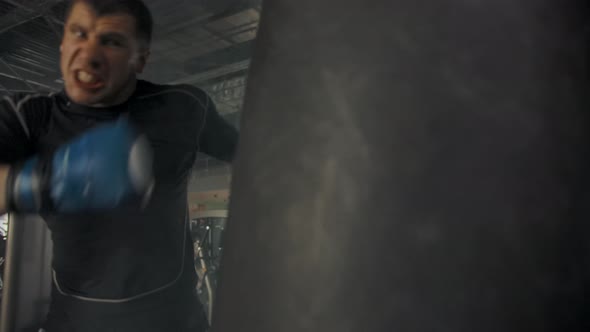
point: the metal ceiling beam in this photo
(24, 14)
(3, 88)
(29, 81)
(58, 32)
(220, 57)
(15, 73)
(28, 70)
(50, 17)
(202, 77)
(207, 18)
(234, 31)
(244, 27)
(10, 91)
(21, 59)
(29, 41)
(219, 35)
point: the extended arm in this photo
(219, 138)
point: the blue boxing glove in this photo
(100, 170)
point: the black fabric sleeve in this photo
(218, 138)
(20, 117)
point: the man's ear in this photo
(141, 61)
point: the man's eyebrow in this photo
(75, 26)
(114, 35)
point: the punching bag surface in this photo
(412, 166)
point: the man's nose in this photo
(95, 65)
(92, 54)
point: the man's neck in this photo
(122, 97)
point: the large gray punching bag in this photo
(412, 165)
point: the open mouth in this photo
(88, 80)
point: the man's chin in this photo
(107, 95)
(86, 98)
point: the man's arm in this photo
(78, 175)
(21, 117)
(219, 138)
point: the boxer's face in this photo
(100, 57)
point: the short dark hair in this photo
(135, 8)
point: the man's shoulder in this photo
(21, 101)
(29, 106)
(183, 94)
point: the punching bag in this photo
(412, 166)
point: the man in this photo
(116, 203)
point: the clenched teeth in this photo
(85, 77)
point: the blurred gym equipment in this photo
(207, 233)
